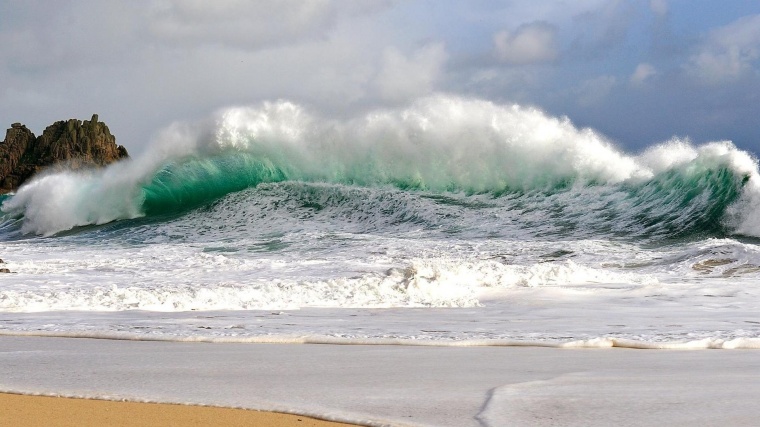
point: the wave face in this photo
(442, 146)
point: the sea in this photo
(451, 221)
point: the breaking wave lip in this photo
(439, 144)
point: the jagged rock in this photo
(74, 143)
(17, 141)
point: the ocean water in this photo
(451, 221)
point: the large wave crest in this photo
(437, 144)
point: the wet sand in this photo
(379, 385)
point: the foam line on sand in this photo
(599, 342)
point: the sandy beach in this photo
(27, 411)
(398, 385)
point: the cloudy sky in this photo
(638, 71)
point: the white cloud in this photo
(106, 58)
(78, 35)
(529, 44)
(729, 52)
(249, 24)
(643, 72)
(239, 23)
(401, 78)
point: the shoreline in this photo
(601, 342)
(378, 385)
(25, 410)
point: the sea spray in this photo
(440, 144)
(59, 201)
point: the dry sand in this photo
(27, 411)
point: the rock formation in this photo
(73, 144)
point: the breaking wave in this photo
(466, 152)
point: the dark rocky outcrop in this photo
(73, 144)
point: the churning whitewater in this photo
(448, 221)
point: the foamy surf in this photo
(451, 219)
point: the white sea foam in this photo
(580, 252)
(441, 142)
(590, 294)
(598, 342)
(179, 278)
